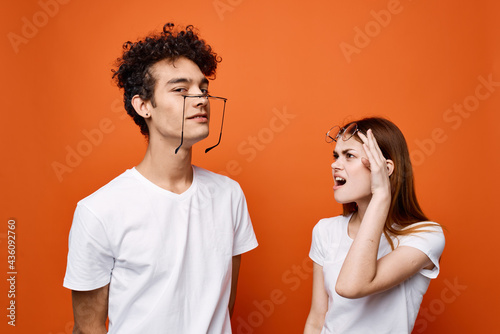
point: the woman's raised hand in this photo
(379, 166)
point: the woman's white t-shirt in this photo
(392, 311)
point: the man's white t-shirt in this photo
(167, 256)
(389, 312)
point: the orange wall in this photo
(291, 70)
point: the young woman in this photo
(373, 264)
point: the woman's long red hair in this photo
(405, 209)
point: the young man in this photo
(158, 249)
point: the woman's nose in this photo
(336, 164)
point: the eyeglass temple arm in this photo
(182, 131)
(221, 126)
(222, 123)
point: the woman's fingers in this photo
(375, 162)
(376, 146)
(371, 148)
(371, 141)
(363, 137)
(365, 162)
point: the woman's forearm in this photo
(360, 266)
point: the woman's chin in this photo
(342, 200)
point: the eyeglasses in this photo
(207, 96)
(345, 133)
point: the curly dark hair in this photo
(133, 68)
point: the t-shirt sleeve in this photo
(431, 243)
(90, 261)
(244, 235)
(317, 252)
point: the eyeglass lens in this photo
(350, 131)
(346, 133)
(332, 134)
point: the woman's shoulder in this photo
(327, 235)
(422, 227)
(331, 224)
(424, 232)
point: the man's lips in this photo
(199, 117)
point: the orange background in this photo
(279, 58)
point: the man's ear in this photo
(390, 166)
(141, 107)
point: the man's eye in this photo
(204, 91)
(180, 90)
(349, 155)
(335, 157)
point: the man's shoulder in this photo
(121, 185)
(208, 177)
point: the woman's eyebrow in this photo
(344, 152)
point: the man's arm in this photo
(90, 309)
(234, 283)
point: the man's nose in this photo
(198, 100)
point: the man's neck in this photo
(166, 169)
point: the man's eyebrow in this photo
(185, 80)
(178, 80)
